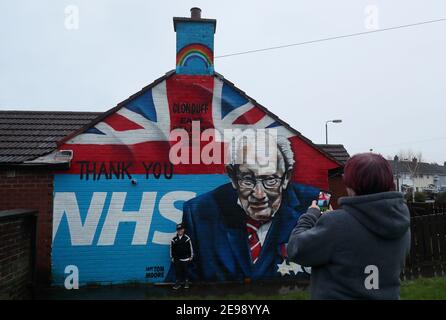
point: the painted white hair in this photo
(283, 146)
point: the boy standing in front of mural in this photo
(181, 253)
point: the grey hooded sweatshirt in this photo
(356, 252)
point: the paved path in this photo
(143, 292)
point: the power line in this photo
(331, 38)
(411, 142)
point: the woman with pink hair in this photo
(358, 251)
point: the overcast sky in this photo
(389, 88)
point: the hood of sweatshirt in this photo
(385, 214)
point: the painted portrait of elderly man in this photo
(240, 230)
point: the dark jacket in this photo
(181, 248)
(340, 246)
(217, 227)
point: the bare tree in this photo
(411, 161)
(410, 155)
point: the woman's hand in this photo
(314, 205)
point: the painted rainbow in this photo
(195, 50)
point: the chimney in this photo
(195, 44)
(195, 13)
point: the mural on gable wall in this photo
(116, 208)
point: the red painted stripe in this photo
(251, 117)
(136, 154)
(283, 251)
(193, 92)
(311, 167)
(120, 123)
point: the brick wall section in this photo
(34, 190)
(17, 248)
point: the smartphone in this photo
(323, 201)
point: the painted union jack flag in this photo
(139, 130)
(152, 115)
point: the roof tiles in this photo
(26, 135)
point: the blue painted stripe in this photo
(94, 130)
(230, 100)
(144, 106)
(274, 124)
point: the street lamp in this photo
(326, 128)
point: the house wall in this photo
(32, 190)
(419, 182)
(17, 254)
(441, 181)
(115, 210)
(423, 181)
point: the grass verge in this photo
(419, 289)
